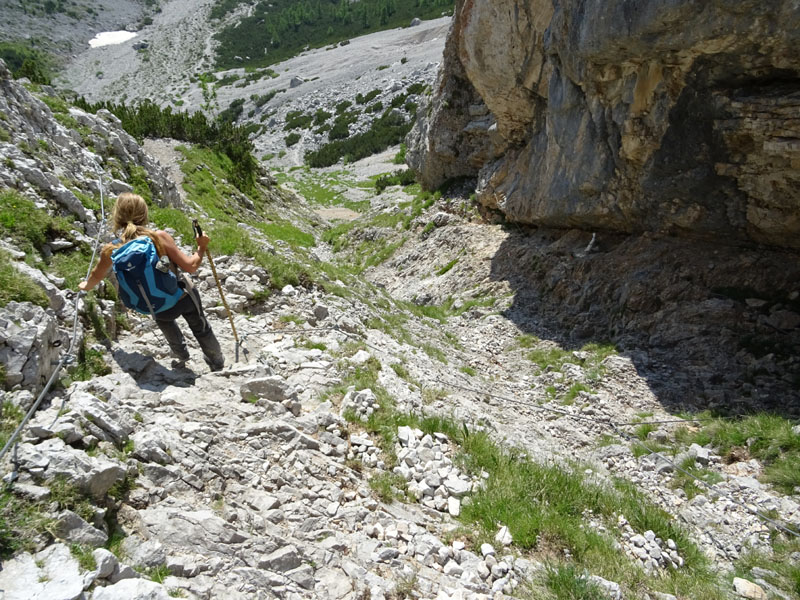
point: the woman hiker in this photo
(130, 216)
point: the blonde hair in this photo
(130, 216)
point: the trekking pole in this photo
(198, 233)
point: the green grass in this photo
(769, 438)
(388, 486)
(687, 482)
(173, 218)
(72, 265)
(67, 496)
(25, 225)
(10, 419)
(544, 506)
(574, 390)
(434, 352)
(401, 371)
(642, 431)
(14, 286)
(447, 267)
(84, 556)
(207, 184)
(90, 364)
(322, 189)
(56, 104)
(468, 370)
(555, 357)
(786, 575)
(288, 233)
(306, 343)
(566, 582)
(20, 523)
(157, 574)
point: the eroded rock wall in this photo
(672, 115)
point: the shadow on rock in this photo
(709, 326)
(150, 374)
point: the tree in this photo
(33, 70)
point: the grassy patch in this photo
(306, 343)
(545, 508)
(15, 286)
(554, 357)
(10, 418)
(388, 486)
(288, 233)
(769, 438)
(297, 320)
(782, 571)
(157, 574)
(68, 497)
(84, 556)
(566, 582)
(468, 370)
(173, 218)
(573, 391)
(526, 340)
(25, 225)
(90, 364)
(72, 266)
(20, 524)
(401, 371)
(544, 505)
(687, 482)
(434, 352)
(447, 267)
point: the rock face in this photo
(28, 348)
(32, 130)
(676, 116)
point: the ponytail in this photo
(130, 217)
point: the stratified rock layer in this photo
(673, 116)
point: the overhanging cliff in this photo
(671, 116)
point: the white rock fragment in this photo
(503, 536)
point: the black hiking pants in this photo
(190, 308)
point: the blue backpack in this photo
(146, 283)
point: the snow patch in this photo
(110, 38)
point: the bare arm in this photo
(99, 273)
(190, 264)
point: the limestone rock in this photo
(132, 589)
(70, 527)
(52, 573)
(28, 348)
(641, 127)
(748, 589)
